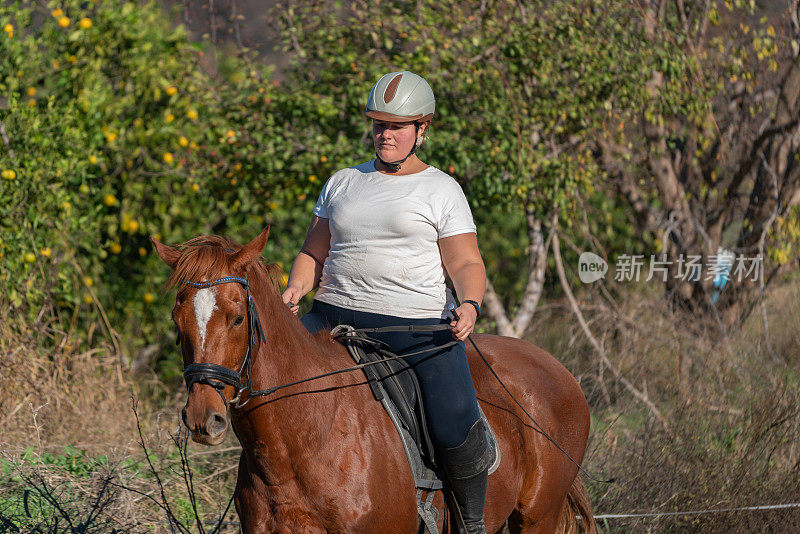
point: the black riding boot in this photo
(467, 468)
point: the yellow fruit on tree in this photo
(30, 257)
(45, 252)
(110, 200)
(84, 189)
(85, 23)
(63, 22)
(170, 117)
(31, 91)
(133, 226)
(111, 137)
(323, 159)
(168, 157)
(183, 141)
(72, 59)
(171, 90)
(8, 28)
(93, 160)
(115, 248)
(87, 298)
(57, 13)
(142, 251)
(148, 298)
(195, 187)
(87, 281)
(230, 133)
(192, 114)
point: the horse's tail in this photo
(577, 504)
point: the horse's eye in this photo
(239, 320)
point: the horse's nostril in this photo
(216, 425)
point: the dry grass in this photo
(731, 436)
(72, 458)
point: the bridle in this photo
(219, 376)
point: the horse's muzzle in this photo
(208, 428)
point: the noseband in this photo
(219, 376)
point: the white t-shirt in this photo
(384, 256)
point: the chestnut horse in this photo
(323, 455)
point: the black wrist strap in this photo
(477, 306)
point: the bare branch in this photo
(497, 311)
(642, 396)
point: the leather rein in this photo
(218, 376)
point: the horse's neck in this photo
(301, 413)
(290, 352)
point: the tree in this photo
(522, 90)
(111, 130)
(722, 175)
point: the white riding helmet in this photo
(401, 97)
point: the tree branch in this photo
(642, 396)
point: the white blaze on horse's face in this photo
(205, 302)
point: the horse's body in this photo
(323, 456)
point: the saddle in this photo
(395, 386)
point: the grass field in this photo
(704, 423)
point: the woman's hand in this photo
(467, 315)
(291, 297)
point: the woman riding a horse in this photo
(327, 458)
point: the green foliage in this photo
(116, 133)
(523, 91)
(520, 88)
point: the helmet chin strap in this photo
(395, 165)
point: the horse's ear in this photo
(169, 254)
(250, 251)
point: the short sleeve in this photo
(321, 209)
(456, 217)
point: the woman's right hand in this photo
(291, 297)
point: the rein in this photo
(219, 376)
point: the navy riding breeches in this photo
(447, 391)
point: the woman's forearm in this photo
(470, 281)
(305, 274)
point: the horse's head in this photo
(218, 325)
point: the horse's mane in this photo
(208, 256)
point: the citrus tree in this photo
(112, 131)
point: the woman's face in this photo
(393, 140)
